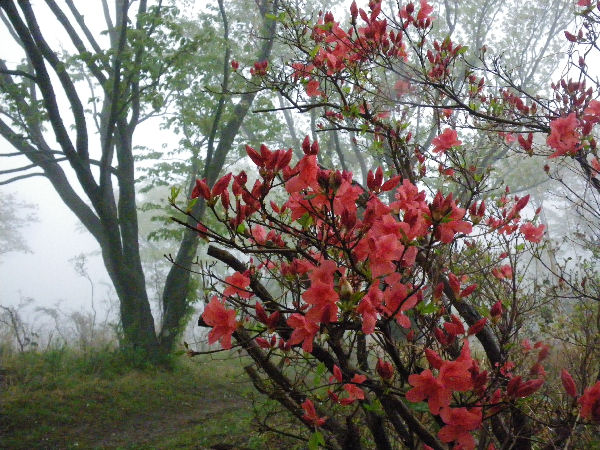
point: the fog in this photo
(46, 275)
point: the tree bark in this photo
(177, 285)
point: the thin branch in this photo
(30, 166)
(19, 73)
(22, 177)
(109, 24)
(38, 47)
(76, 40)
(81, 22)
(221, 103)
(11, 29)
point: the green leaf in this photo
(314, 51)
(419, 407)
(357, 297)
(428, 308)
(241, 229)
(174, 193)
(320, 371)
(316, 440)
(306, 221)
(375, 407)
(191, 204)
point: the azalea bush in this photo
(393, 313)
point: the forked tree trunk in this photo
(177, 285)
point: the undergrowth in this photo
(64, 399)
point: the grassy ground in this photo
(59, 400)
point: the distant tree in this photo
(83, 142)
(14, 215)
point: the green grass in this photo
(62, 400)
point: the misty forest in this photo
(341, 224)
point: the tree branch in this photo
(43, 51)
(77, 42)
(19, 73)
(81, 22)
(22, 177)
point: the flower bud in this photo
(384, 369)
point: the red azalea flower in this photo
(592, 112)
(305, 174)
(312, 88)
(532, 233)
(238, 283)
(477, 326)
(310, 414)
(384, 369)
(259, 234)
(445, 231)
(448, 217)
(222, 320)
(337, 374)
(564, 138)
(496, 310)
(445, 141)
(433, 358)
(354, 392)
(426, 386)
(568, 383)
(528, 388)
(590, 403)
(304, 331)
(455, 375)
(526, 143)
(459, 421)
(425, 10)
(368, 309)
(321, 294)
(201, 189)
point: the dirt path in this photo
(144, 429)
(147, 428)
